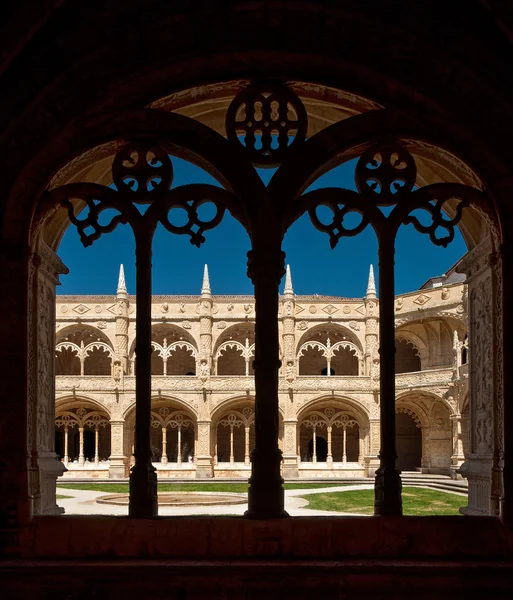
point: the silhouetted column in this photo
(266, 497)
(388, 482)
(143, 478)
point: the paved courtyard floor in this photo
(83, 502)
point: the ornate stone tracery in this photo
(385, 176)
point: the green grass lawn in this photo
(120, 488)
(416, 502)
(61, 497)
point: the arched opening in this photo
(329, 350)
(234, 350)
(408, 441)
(173, 351)
(234, 439)
(407, 359)
(321, 448)
(329, 369)
(82, 350)
(83, 438)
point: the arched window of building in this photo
(407, 359)
(83, 350)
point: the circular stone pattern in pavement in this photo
(180, 499)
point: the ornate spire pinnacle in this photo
(288, 282)
(205, 287)
(371, 285)
(122, 291)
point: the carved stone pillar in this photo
(44, 468)
(205, 311)
(290, 456)
(371, 365)
(122, 322)
(373, 456)
(482, 466)
(458, 456)
(289, 324)
(118, 460)
(203, 456)
(266, 496)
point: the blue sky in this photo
(178, 266)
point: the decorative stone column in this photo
(203, 456)
(118, 460)
(122, 321)
(373, 456)
(483, 465)
(371, 368)
(290, 456)
(205, 311)
(458, 457)
(44, 468)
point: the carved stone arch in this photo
(347, 346)
(312, 345)
(343, 403)
(415, 340)
(158, 401)
(339, 331)
(83, 330)
(96, 346)
(237, 331)
(68, 402)
(171, 332)
(410, 411)
(232, 403)
(230, 344)
(180, 136)
(406, 402)
(348, 139)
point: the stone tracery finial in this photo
(371, 285)
(121, 282)
(205, 287)
(288, 282)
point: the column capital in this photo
(266, 266)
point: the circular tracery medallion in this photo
(266, 120)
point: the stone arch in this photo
(355, 406)
(407, 357)
(67, 402)
(83, 349)
(175, 406)
(339, 331)
(329, 350)
(416, 341)
(339, 425)
(82, 433)
(234, 350)
(232, 426)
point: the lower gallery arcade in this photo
(202, 417)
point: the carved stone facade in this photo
(203, 348)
